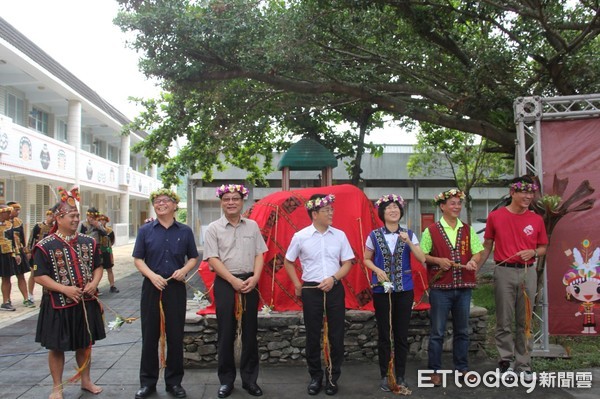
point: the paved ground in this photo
(24, 371)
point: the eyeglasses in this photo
(231, 199)
(162, 201)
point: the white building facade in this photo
(56, 131)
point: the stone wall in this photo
(281, 337)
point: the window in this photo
(15, 108)
(38, 120)
(61, 131)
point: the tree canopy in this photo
(234, 71)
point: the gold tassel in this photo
(163, 335)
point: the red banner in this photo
(570, 151)
(281, 214)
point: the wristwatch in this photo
(335, 280)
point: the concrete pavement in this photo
(24, 371)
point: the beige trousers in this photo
(511, 343)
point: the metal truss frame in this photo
(529, 112)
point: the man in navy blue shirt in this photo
(165, 251)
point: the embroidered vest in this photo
(6, 237)
(456, 277)
(396, 264)
(70, 264)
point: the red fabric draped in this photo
(281, 214)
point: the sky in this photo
(81, 36)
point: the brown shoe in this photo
(436, 379)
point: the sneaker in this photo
(527, 376)
(7, 306)
(504, 366)
(401, 382)
(114, 289)
(28, 303)
(31, 297)
(99, 293)
(384, 385)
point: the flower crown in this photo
(523, 186)
(7, 209)
(232, 188)
(164, 191)
(68, 201)
(443, 196)
(320, 202)
(388, 198)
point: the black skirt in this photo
(67, 329)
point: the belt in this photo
(514, 265)
(310, 284)
(244, 276)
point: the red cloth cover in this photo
(281, 214)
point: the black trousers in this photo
(174, 300)
(401, 311)
(226, 329)
(312, 299)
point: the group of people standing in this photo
(165, 252)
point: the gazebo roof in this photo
(307, 154)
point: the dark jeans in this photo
(313, 309)
(401, 309)
(174, 300)
(457, 301)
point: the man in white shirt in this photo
(326, 257)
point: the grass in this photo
(583, 349)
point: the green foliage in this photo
(237, 71)
(181, 215)
(461, 156)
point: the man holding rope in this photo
(452, 251)
(519, 236)
(68, 266)
(165, 252)
(326, 257)
(234, 247)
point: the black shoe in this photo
(253, 389)
(225, 390)
(114, 289)
(331, 389)
(176, 390)
(400, 381)
(144, 392)
(315, 386)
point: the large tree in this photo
(462, 157)
(234, 68)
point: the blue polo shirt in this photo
(165, 250)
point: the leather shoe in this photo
(177, 391)
(436, 379)
(315, 386)
(331, 389)
(253, 389)
(225, 390)
(144, 392)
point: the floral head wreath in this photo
(232, 188)
(68, 201)
(443, 196)
(14, 205)
(5, 208)
(388, 198)
(523, 186)
(318, 203)
(49, 212)
(102, 217)
(93, 212)
(164, 191)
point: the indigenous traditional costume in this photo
(106, 242)
(63, 324)
(19, 242)
(7, 260)
(39, 231)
